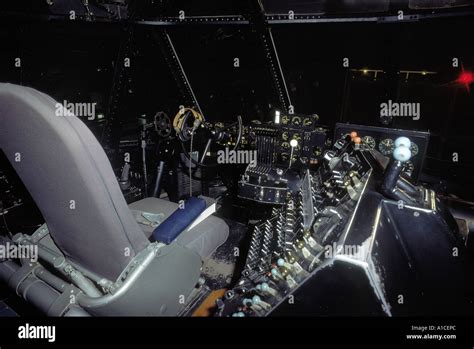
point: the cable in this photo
(196, 124)
(190, 165)
(6, 225)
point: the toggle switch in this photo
(267, 289)
(276, 274)
(256, 300)
(247, 302)
(357, 142)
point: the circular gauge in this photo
(285, 136)
(317, 151)
(285, 119)
(297, 136)
(285, 145)
(414, 149)
(386, 146)
(408, 167)
(307, 121)
(296, 120)
(285, 156)
(368, 141)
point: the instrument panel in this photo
(298, 138)
(382, 139)
(310, 140)
(295, 143)
(300, 120)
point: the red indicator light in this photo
(465, 78)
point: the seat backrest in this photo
(70, 178)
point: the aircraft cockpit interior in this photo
(236, 158)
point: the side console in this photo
(355, 238)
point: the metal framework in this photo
(260, 25)
(260, 22)
(163, 39)
(112, 130)
(285, 18)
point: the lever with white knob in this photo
(293, 144)
(401, 154)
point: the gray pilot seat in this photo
(88, 222)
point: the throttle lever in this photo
(401, 154)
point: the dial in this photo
(386, 146)
(296, 120)
(285, 145)
(414, 149)
(285, 136)
(297, 136)
(408, 167)
(285, 119)
(368, 141)
(307, 121)
(317, 151)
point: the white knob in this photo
(402, 154)
(256, 299)
(402, 141)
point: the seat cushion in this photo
(204, 238)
